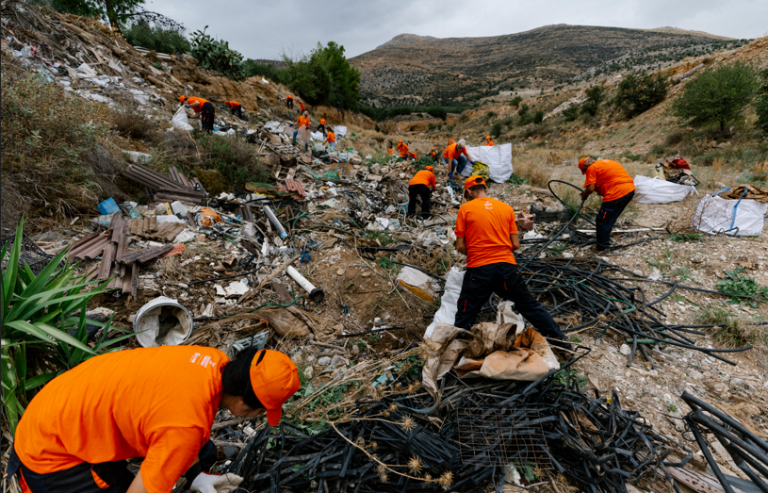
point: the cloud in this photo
(294, 27)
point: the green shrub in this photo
(538, 117)
(497, 129)
(43, 325)
(438, 112)
(595, 96)
(638, 93)
(717, 95)
(761, 107)
(525, 115)
(658, 150)
(571, 113)
(516, 101)
(216, 55)
(252, 68)
(157, 38)
(735, 282)
(235, 159)
(674, 138)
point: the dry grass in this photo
(130, 123)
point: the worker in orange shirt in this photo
(234, 108)
(321, 126)
(488, 141)
(402, 148)
(445, 151)
(158, 403)
(289, 101)
(302, 123)
(330, 138)
(456, 154)
(421, 185)
(433, 154)
(486, 232)
(302, 109)
(203, 109)
(390, 151)
(412, 155)
(611, 181)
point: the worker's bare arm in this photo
(461, 245)
(587, 192)
(137, 486)
(515, 242)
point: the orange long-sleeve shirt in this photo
(199, 107)
(452, 152)
(423, 177)
(610, 178)
(403, 149)
(303, 121)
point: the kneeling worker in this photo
(203, 109)
(486, 232)
(456, 154)
(234, 108)
(613, 183)
(157, 403)
(421, 185)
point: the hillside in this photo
(411, 69)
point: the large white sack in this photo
(498, 158)
(340, 130)
(317, 136)
(658, 191)
(448, 302)
(716, 215)
(180, 119)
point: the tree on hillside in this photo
(595, 96)
(761, 108)
(157, 38)
(116, 12)
(638, 93)
(325, 76)
(215, 54)
(717, 95)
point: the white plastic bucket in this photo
(162, 322)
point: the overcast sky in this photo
(261, 29)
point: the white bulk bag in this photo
(718, 215)
(448, 302)
(658, 191)
(498, 158)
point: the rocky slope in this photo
(422, 69)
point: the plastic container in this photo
(162, 322)
(108, 207)
(403, 208)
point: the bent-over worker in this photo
(611, 181)
(321, 126)
(157, 403)
(289, 101)
(486, 232)
(234, 108)
(302, 109)
(330, 138)
(203, 109)
(421, 185)
(456, 154)
(488, 141)
(433, 154)
(412, 155)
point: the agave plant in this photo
(43, 325)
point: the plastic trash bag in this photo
(180, 119)
(447, 312)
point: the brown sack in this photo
(515, 364)
(488, 337)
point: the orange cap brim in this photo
(274, 416)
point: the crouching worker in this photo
(234, 108)
(456, 154)
(611, 181)
(203, 109)
(157, 403)
(486, 232)
(421, 185)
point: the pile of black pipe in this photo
(748, 451)
(591, 440)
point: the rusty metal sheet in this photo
(92, 249)
(106, 261)
(81, 241)
(145, 255)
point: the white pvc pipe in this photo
(315, 294)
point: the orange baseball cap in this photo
(473, 180)
(451, 141)
(275, 379)
(487, 137)
(581, 163)
(429, 168)
(182, 98)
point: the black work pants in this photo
(505, 280)
(206, 117)
(321, 128)
(606, 218)
(237, 111)
(82, 477)
(289, 103)
(422, 191)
